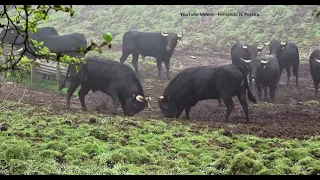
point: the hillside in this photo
(202, 34)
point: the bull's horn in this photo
(180, 36)
(139, 98)
(244, 46)
(283, 43)
(18, 51)
(247, 61)
(264, 62)
(164, 34)
(317, 60)
(267, 43)
(161, 97)
(261, 46)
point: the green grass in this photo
(201, 34)
(35, 140)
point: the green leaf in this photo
(71, 12)
(107, 37)
(20, 9)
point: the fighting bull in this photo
(266, 72)
(158, 45)
(205, 82)
(242, 54)
(113, 78)
(314, 62)
(287, 54)
(68, 44)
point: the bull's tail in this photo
(63, 84)
(245, 80)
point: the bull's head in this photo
(135, 104)
(251, 51)
(276, 47)
(172, 40)
(167, 106)
(10, 35)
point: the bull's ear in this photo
(133, 95)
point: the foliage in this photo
(28, 17)
(37, 140)
(202, 34)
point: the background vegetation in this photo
(202, 34)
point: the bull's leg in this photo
(295, 70)
(143, 58)
(259, 89)
(82, 94)
(124, 57)
(316, 87)
(244, 104)
(167, 64)
(188, 108)
(116, 102)
(179, 111)
(73, 86)
(265, 93)
(288, 76)
(250, 79)
(219, 102)
(272, 92)
(230, 106)
(159, 66)
(135, 58)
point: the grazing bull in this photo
(68, 44)
(113, 78)
(205, 82)
(158, 45)
(266, 73)
(287, 54)
(242, 54)
(314, 62)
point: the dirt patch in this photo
(291, 116)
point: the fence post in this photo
(58, 75)
(32, 73)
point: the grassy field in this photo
(202, 34)
(36, 140)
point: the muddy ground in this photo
(291, 116)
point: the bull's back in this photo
(64, 43)
(228, 78)
(197, 82)
(145, 43)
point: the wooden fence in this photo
(52, 71)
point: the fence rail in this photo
(51, 69)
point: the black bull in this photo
(113, 78)
(242, 54)
(266, 72)
(287, 54)
(314, 62)
(158, 45)
(205, 82)
(68, 44)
